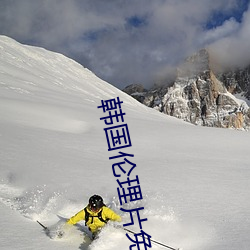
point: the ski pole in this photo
(45, 228)
(159, 243)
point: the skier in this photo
(95, 214)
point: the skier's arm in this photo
(110, 214)
(77, 217)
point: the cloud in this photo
(123, 42)
(228, 28)
(233, 49)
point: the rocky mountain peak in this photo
(200, 96)
(196, 64)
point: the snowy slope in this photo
(195, 181)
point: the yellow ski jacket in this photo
(94, 223)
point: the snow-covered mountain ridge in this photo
(53, 150)
(201, 95)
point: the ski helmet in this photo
(95, 202)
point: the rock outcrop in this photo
(199, 96)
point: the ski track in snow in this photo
(32, 204)
(37, 205)
(40, 204)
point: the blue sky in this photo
(131, 41)
(218, 17)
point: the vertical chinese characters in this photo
(129, 189)
(117, 136)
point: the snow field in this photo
(194, 180)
